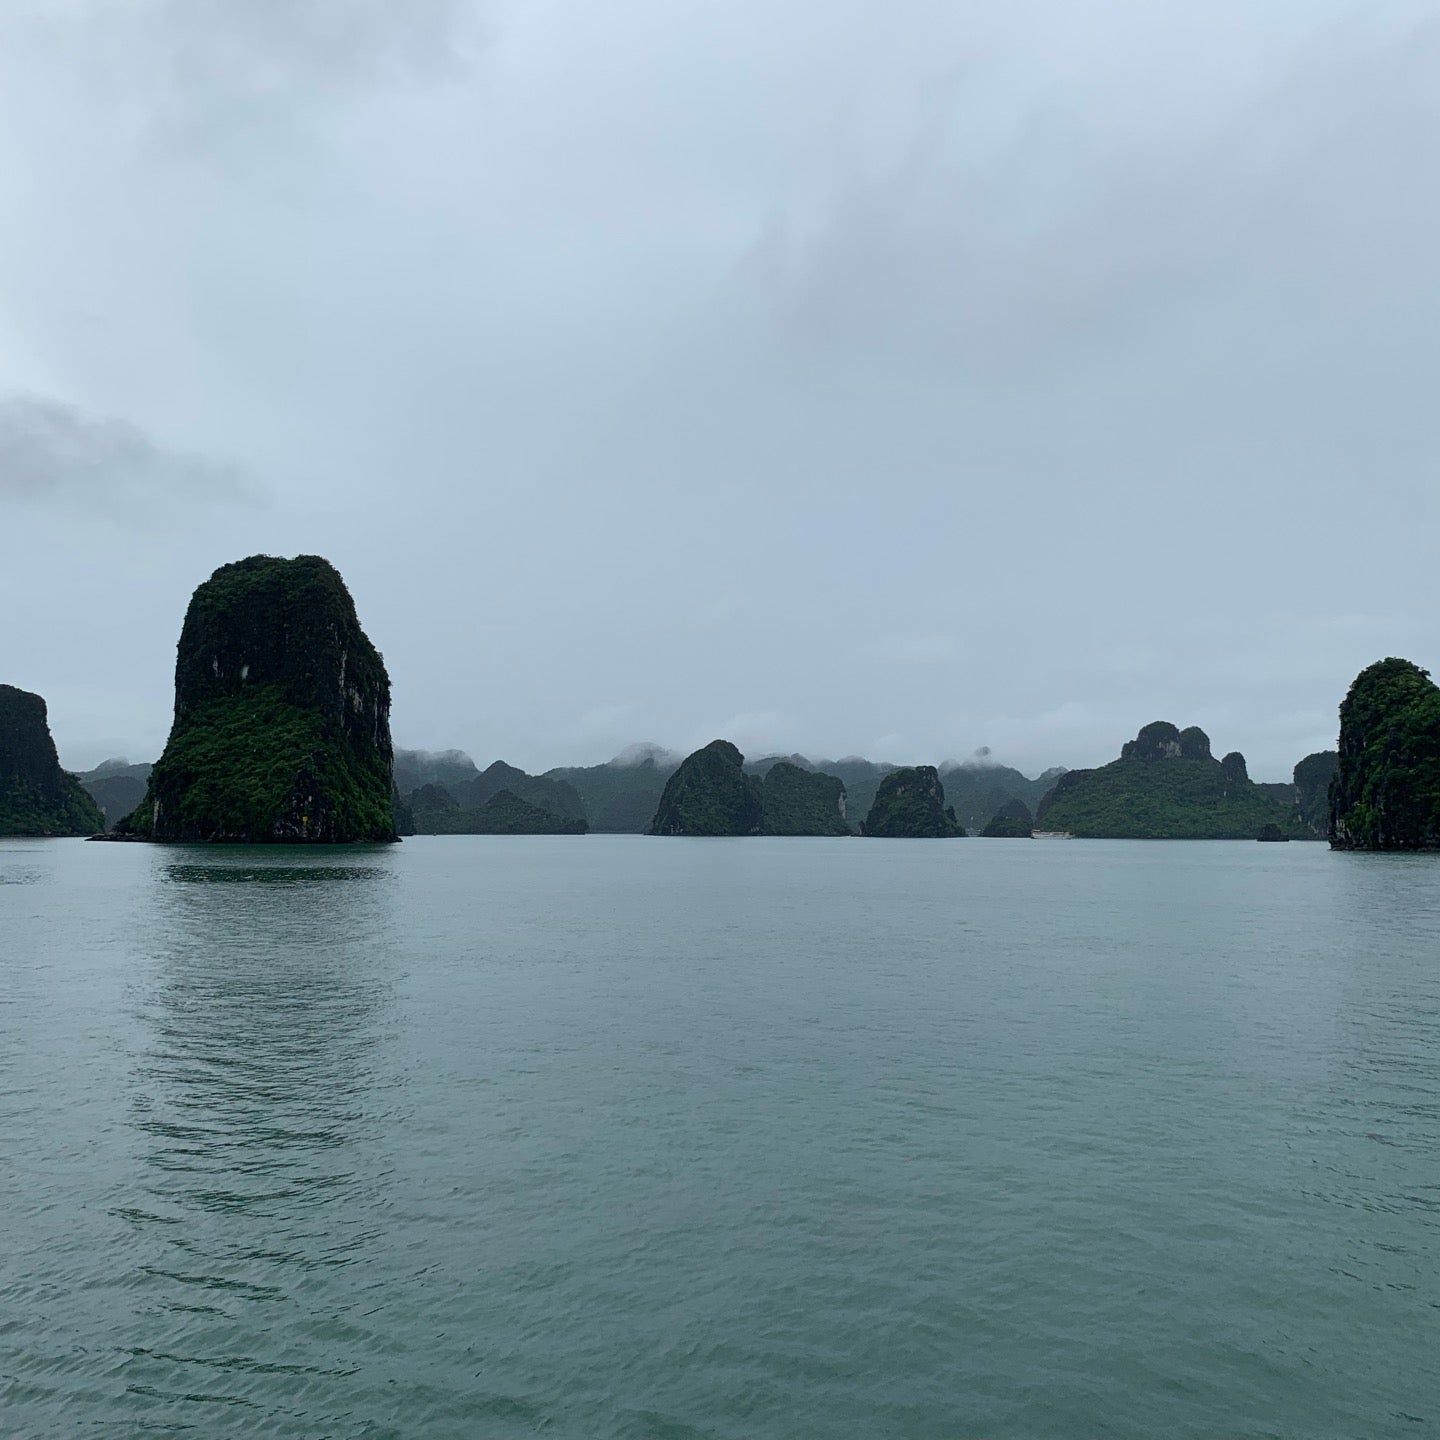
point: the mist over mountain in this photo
(116, 786)
(979, 788)
(414, 768)
(643, 751)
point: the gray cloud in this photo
(1310, 203)
(55, 454)
(209, 77)
(861, 378)
(276, 44)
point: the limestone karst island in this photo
(281, 735)
(37, 797)
(282, 716)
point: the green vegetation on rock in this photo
(429, 810)
(710, 794)
(1165, 786)
(559, 797)
(1386, 790)
(979, 791)
(621, 796)
(1012, 821)
(910, 804)
(37, 797)
(1313, 775)
(1271, 832)
(861, 779)
(802, 802)
(452, 775)
(1306, 798)
(434, 810)
(282, 715)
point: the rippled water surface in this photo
(607, 1136)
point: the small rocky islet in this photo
(1012, 821)
(910, 805)
(281, 734)
(710, 794)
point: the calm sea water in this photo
(609, 1136)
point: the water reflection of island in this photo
(259, 1100)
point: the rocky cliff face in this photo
(1159, 740)
(710, 794)
(910, 804)
(797, 801)
(282, 715)
(37, 797)
(861, 779)
(1012, 821)
(1234, 774)
(1386, 791)
(1312, 777)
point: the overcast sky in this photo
(845, 377)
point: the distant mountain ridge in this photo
(117, 787)
(414, 768)
(980, 790)
(558, 797)
(433, 810)
(621, 795)
(818, 796)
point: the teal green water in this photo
(606, 1136)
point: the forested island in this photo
(282, 716)
(281, 734)
(37, 797)
(1167, 785)
(1386, 792)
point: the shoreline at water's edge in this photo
(110, 835)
